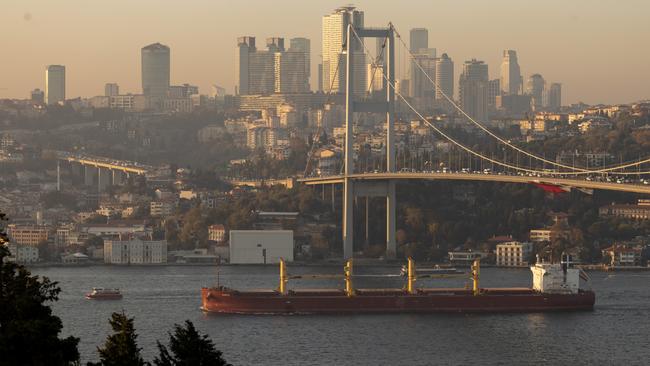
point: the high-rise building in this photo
(421, 86)
(54, 84)
(37, 96)
(444, 77)
(303, 45)
(494, 90)
(418, 39)
(375, 77)
(111, 89)
(320, 78)
(155, 70)
(554, 98)
(275, 44)
(473, 87)
(273, 70)
(535, 87)
(290, 70)
(334, 34)
(511, 81)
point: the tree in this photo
(121, 348)
(29, 333)
(188, 347)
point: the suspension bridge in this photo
(553, 176)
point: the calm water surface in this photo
(617, 332)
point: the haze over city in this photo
(595, 49)
(284, 182)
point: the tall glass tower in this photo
(155, 70)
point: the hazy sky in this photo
(598, 49)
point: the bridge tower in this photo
(369, 188)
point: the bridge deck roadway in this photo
(574, 183)
(105, 165)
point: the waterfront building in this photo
(54, 84)
(513, 254)
(511, 81)
(30, 235)
(334, 35)
(260, 246)
(217, 233)
(111, 89)
(155, 70)
(135, 251)
(22, 254)
(474, 89)
(621, 255)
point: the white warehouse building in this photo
(260, 246)
(135, 251)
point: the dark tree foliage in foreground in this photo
(188, 347)
(29, 333)
(121, 348)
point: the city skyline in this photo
(556, 49)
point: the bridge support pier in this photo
(348, 220)
(102, 180)
(391, 217)
(89, 175)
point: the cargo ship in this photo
(556, 287)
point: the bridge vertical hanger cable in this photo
(505, 142)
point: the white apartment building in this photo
(513, 254)
(22, 253)
(135, 251)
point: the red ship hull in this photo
(223, 300)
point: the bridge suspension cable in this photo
(477, 154)
(505, 142)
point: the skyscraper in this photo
(37, 96)
(444, 77)
(554, 98)
(155, 70)
(418, 39)
(335, 27)
(301, 44)
(494, 90)
(111, 89)
(54, 84)
(421, 86)
(474, 89)
(535, 87)
(273, 70)
(511, 81)
(290, 70)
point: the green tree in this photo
(29, 333)
(121, 348)
(188, 347)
